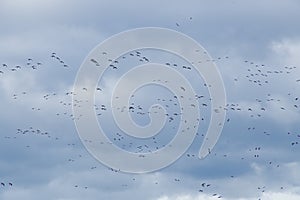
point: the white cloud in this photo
(287, 50)
(280, 196)
(265, 196)
(36, 27)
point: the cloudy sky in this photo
(256, 46)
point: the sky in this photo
(254, 44)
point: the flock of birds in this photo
(256, 74)
(9, 184)
(30, 64)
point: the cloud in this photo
(267, 196)
(262, 32)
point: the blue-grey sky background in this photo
(252, 42)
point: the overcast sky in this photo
(256, 46)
